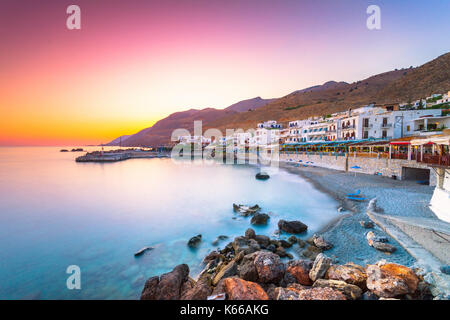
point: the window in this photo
(408, 128)
(384, 134)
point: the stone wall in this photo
(382, 166)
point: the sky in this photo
(134, 62)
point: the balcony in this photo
(367, 126)
(349, 127)
(386, 125)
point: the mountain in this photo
(161, 131)
(389, 87)
(249, 104)
(118, 140)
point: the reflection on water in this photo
(55, 212)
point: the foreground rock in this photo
(269, 267)
(292, 226)
(320, 267)
(259, 218)
(238, 289)
(298, 271)
(350, 273)
(321, 294)
(349, 290)
(195, 241)
(166, 287)
(142, 251)
(391, 280)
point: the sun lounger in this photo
(356, 198)
(354, 194)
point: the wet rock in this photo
(238, 289)
(166, 287)
(271, 248)
(142, 251)
(244, 210)
(445, 269)
(320, 267)
(280, 293)
(262, 240)
(199, 291)
(320, 243)
(212, 256)
(390, 280)
(262, 176)
(269, 267)
(292, 226)
(299, 270)
(311, 252)
(301, 243)
(281, 252)
(350, 273)
(292, 240)
(367, 224)
(321, 294)
(285, 244)
(369, 296)
(259, 218)
(243, 244)
(219, 238)
(250, 233)
(349, 290)
(226, 271)
(247, 269)
(195, 241)
(379, 243)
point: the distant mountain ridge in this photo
(393, 86)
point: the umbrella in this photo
(355, 167)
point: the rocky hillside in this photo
(389, 87)
(161, 131)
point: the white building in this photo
(271, 124)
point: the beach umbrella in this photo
(355, 167)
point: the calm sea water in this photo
(55, 212)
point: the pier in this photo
(119, 155)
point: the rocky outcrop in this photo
(250, 233)
(350, 273)
(262, 176)
(366, 224)
(195, 241)
(142, 251)
(269, 267)
(259, 218)
(320, 294)
(292, 226)
(391, 280)
(166, 287)
(349, 290)
(247, 269)
(379, 243)
(298, 271)
(246, 211)
(320, 267)
(200, 290)
(320, 243)
(238, 289)
(247, 246)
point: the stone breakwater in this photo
(250, 268)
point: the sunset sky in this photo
(134, 62)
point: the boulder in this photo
(321, 294)
(281, 252)
(269, 267)
(311, 252)
(200, 290)
(250, 233)
(247, 269)
(262, 240)
(349, 290)
(320, 243)
(195, 241)
(262, 176)
(238, 289)
(292, 240)
(292, 226)
(259, 218)
(350, 273)
(285, 244)
(320, 267)
(379, 243)
(271, 248)
(391, 280)
(226, 271)
(243, 244)
(301, 243)
(299, 271)
(166, 287)
(246, 210)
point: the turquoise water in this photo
(55, 212)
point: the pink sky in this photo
(135, 62)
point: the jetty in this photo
(119, 155)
